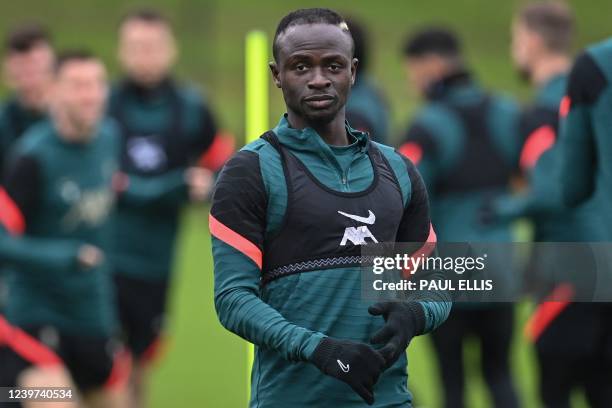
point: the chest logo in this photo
(358, 235)
(146, 153)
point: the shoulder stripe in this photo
(10, 214)
(538, 142)
(235, 240)
(28, 347)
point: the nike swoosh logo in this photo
(345, 368)
(369, 220)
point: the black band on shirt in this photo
(586, 81)
(240, 199)
(22, 183)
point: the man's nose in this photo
(319, 80)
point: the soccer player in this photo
(166, 127)
(54, 220)
(541, 42)
(584, 129)
(465, 144)
(584, 149)
(366, 108)
(28, 66)
(290, 214)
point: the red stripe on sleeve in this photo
(219, 152)
(565, 106)
(413, 151)
(29, 348)
(425, 250)
(10, 214)
(548, 311)
(235, 240)
(539, 141)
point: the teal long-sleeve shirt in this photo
(585, 128)
(438, 140)
(288, 317)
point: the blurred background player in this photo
(367, 108)
(586, 174)
(542, 36)
(465, 144)
(28, 71)
(55, 209)
(166, 128)
(28, 66)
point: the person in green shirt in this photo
(55, 208)
(28, 62)
(367, 108)
(291, 213)
(166, 128)
(542, 34)
(28, 65)
(464, 141)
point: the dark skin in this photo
(315, 69)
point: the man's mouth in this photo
(319, 101)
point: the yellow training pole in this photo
(256, 122)
(256, 79)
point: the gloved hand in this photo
(356, 364)
(404, 320)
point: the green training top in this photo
(289, 316)
(58, 195)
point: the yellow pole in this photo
(256, 122)
(256, 84)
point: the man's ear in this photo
(275, 75)
(354, 64)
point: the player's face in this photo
(80, 93)
(30, 73)
(315, 70)
(146, 51)
(422, 71)
(522, 47)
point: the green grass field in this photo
(204, 365)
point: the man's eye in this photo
(301, 67)
(335, 67)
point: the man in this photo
(585, 124)
(584, 152)
(54, 212)
(28, 68)
(464, 142)
(366, 109)
(541, 44)
(290, 214)
(166, 128)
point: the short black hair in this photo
(72, 55)
(360, 41)
(25, 37)
(147, 15)
(433, 40)
(304, 17)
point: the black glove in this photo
(404, 320)
(357, 364)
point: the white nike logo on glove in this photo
(369, 220)
(343, 367)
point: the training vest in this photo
(482, 165)
(325, 229)
(151, 153)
